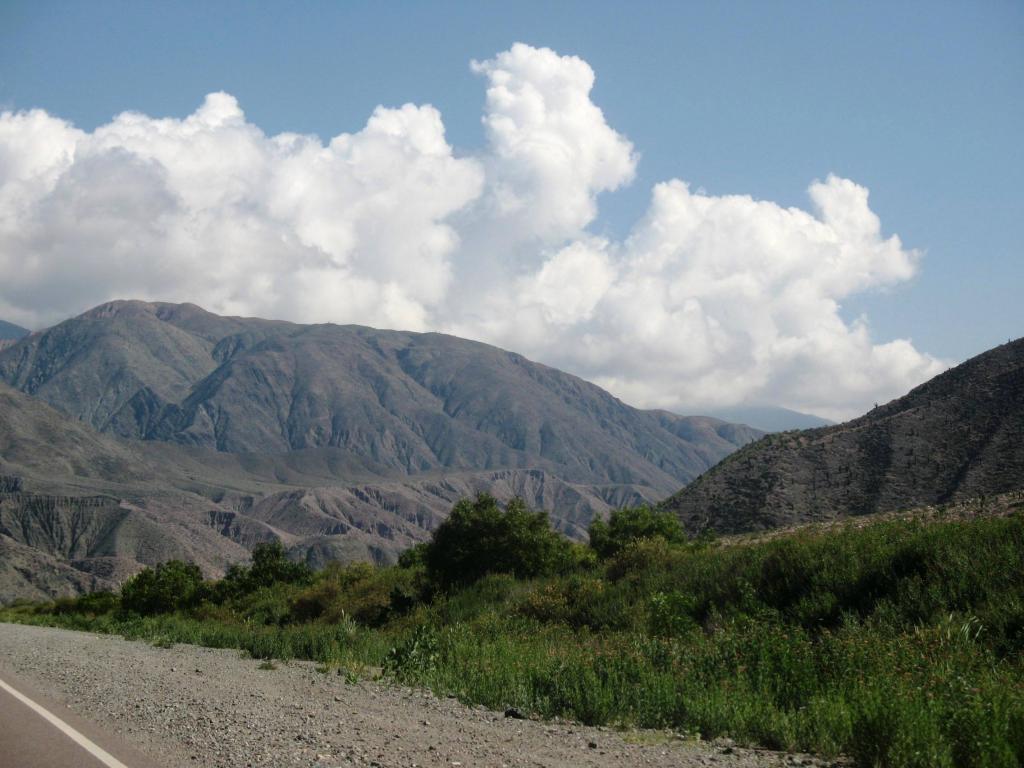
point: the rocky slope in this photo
(81, 511)
(390, 403)
(957, 436)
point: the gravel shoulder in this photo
(189, 706)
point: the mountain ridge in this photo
(957, 436)
(396, 401)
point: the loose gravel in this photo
(190, 706)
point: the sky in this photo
(695, 205)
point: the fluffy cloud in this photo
(711, 301)
(209, 209)
(551, 151)
(743, 296)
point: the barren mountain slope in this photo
(393, 403)
(80, 510)
(959, 435)
(36, 440)
(78, 497)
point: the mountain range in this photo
(140, 431)
(189, 432)
(385, 403)
(958, 436)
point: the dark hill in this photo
(957, 436)
(390, 403)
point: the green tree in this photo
(169, 587)
(632, 524)
(414, 556)
(270, 566)
(480, 538)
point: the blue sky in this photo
(921, 103)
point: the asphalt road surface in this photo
(37, 732)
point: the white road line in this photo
(99, 753)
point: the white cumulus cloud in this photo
(711, 300)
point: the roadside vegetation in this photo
(898, 643)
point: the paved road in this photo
(37, 732)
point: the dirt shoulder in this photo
(199, 706)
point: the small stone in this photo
(591, 745)
(514, 713)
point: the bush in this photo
(270, 566)
(361, 591)
(266, 606)
(92, 604)
(171, 586)
(632, 524)
(414, 557)
(479, 538)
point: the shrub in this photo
(479, 538)
(414, 557)
(581, 601)
(632, 524)
(266, 606)
(671, 614)
(896, 644)
(270, 566)
(367, 594)
(92, 604)
(169, 587)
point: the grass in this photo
(897, 643)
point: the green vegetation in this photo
(478, 538)
(627, 525)
(900, 643)
(171, 586)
